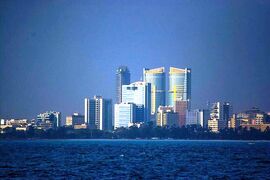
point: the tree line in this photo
(146, 131)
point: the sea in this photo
(134, 159)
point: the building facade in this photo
(158, 85)
(48, 120)
(124, 115)
(99, 111)
(75, 119)
(122, 78)
(138, 93)
(179, 86)
(181, 108)
(166, 117)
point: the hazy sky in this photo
(55, 53)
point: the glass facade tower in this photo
(179, 86)
(157, 79)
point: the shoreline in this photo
(167, 140)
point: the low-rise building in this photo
(48, 120)
(167, 117)
(75, 119)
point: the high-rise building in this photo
(166, 116)
(99, 112)
(86, 110)
(179, 86)
(158, 85)
(227, 113)
(75, 119)
(124, 114)
(122, 78)
(49, 119)
(138, 93)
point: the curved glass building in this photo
(179, 86)
(157, 79)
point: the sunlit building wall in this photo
(213, 125)
(75, 119)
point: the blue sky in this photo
(55, 53)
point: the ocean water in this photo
(134, 159)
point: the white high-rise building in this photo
(124, 115)
(138, 93)
(86, 110)
(98, 113)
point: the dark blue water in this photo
(124, 159)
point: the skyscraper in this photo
(157, 79)
(138, 93)
(122, 78)
(99, 112)
(227, 113)
(86, 110)
(179, 85)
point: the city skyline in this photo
(51, 60)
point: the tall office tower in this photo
(49, 119)
(138, 93)
(86, 110)
(99, 111)
(124, 115)
(122, 78)
(181, 108)
(179, 86)
(166, 116)
(227, 114)
(157, 79)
